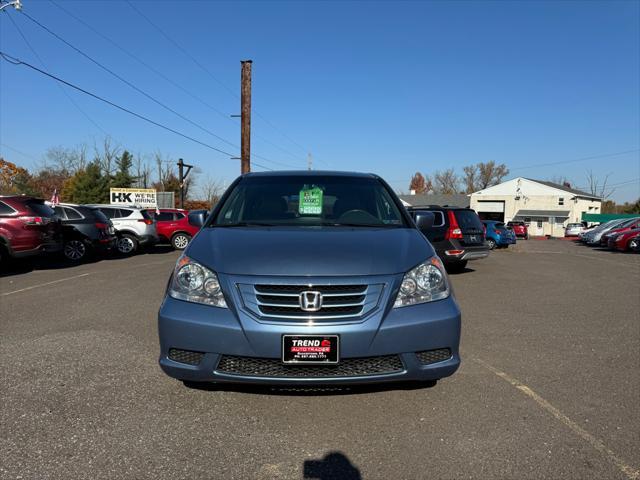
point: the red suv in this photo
(520, 229)
(28, 227)
(173, 226)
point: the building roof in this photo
(542, 213)
(562, 187)
(453, 199)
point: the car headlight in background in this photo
(425, 283)
(195, 283)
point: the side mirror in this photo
(424, 219)
(197, 218)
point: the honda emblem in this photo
(310, 301)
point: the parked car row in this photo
(620, 234)
(30, 226)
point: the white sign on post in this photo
(140, 197)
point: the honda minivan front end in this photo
(309, 277)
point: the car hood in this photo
(309, 251)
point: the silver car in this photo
(573, 229)
(134, 227)
(596, 234)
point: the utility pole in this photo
(245, 117)
(309, 162)
(182, 176)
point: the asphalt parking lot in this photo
(549, 386)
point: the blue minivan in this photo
(309, 278)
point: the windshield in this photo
(301, 200)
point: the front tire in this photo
(491, 243)
(75, 250)
(180, 241)
(127, 244)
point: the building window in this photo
(561, 201)
(539, 223)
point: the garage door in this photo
(484, 206)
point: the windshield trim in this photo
(407, 220)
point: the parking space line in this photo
(45, 284)
(629, 471)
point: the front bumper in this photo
(218, 332)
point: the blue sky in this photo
(388, 87)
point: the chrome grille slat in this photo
(281, 301)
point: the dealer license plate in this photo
(310, 349)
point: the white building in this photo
(545, 206)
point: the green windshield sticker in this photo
(310, 201)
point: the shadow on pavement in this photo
(308, 390)
(334, 466)
(458, 272)
(57, 261)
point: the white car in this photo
(573, 230)
(134, 227)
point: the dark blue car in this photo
(498, 235)
(309, 277)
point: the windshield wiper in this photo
(364, 225)
(245, 224)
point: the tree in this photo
(88, 185)
(211, 190)
(470, 178)
(45, 181)
(123, 177)
(446, 182)
(14, 179)
(633, 207)
(561, 180)
(482, 175)
(490, 174)
(143, 172)
(66, 160)
(106, 155)
(418, 184)
(599, 188)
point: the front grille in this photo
(274, 368)
(282, 301)
(185, 356)
(433, 356)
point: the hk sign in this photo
(142, 197)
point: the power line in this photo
(26, 155)
(139, 90)
(16, 61)
(143, 63)
(182, 49)
(582, 159)
(208, 72)
(169, 80)
(626, 182)
(44, 65)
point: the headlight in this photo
(425, 283)
(193, 282)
